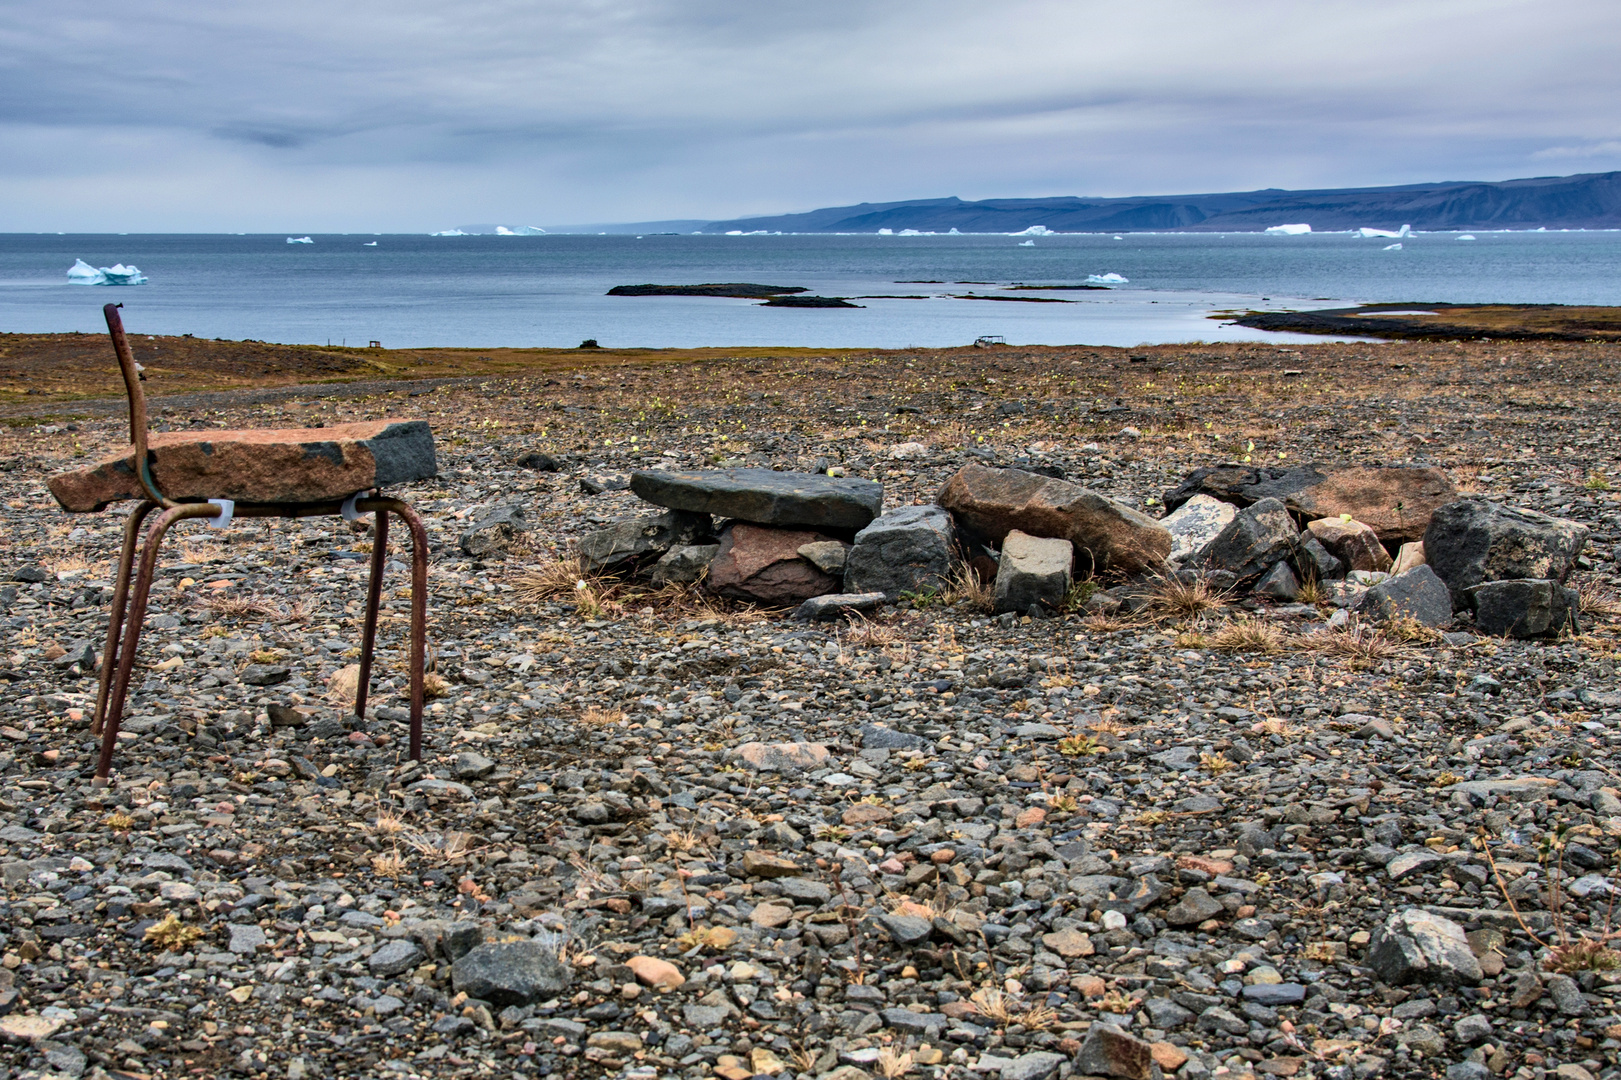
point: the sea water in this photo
(492, 291)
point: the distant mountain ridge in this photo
(1586, 201)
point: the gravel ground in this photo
(932, 844)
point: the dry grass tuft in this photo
(434, 685)
(892, 1063)
(241, 607)
(966, 587)
(1360, 643)
(1175, 598)
(1598, 600)
(594, 716)
(552, 579)
(390, 865)
(1250, 635)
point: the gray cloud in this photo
(413, 114)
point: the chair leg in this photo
(374, 597)
(419, 608)
(132, 631)
(115, 617)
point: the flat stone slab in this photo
(765, 497)
(289, 465)
(833, 605)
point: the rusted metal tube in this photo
(115, 617)
(374, 597)
(137, 614)
(419, 607)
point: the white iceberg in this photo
(1393, 247)
(1027, 243)
(886, 232)
(299, 240)
(521, 230)
(909, 232)
(369, 243)
(447, 232)
(1034, 230)
(1366, 233)
(82, 273)
(1106, 279)
(953, 232)
(1466, 236)
(1289, 230)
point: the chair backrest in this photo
(137, 402)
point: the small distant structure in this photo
(374, 344)
(985, 341)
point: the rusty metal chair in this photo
(256, 473)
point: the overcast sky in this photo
(359, 115)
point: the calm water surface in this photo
(489, 291)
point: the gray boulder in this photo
(1415, 946)
(1525, 608)
(494, 532)
(1314, 562)
(1473, 541)
(1195, 523)
(1257, 539)
(637, 539)
(990, 503)
(1414, 594)
(1033, 571)
(510, 973)
(683, 564)
(764, 497)
(905, 550)
(1278, 583)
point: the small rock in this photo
(833, 605)
(651, 971)
(782, 757)
(763, 864)
(471, 766)
(1109, 1051)
(393, 958)
(1195, 907)
(1417, 946)
(510, 973)
(494, 532)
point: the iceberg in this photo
(299, 240)
(886, 232)
(1034, 230)
(1106, 279)
(910, 232)
(1466, 236)
(521, 230)
(1289, 230)
(1366, 233)
(1027, 243)
(1393, 247)
(447, 232)
(369, 243)
(82, 273)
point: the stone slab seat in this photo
(270, 465)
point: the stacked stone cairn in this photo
(1382, 543)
